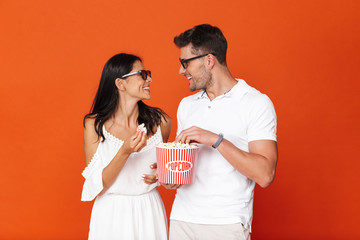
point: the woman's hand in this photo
(135, 143)
(153, 178)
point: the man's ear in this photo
(210, 61)
(120, 84)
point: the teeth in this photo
(146, 88)
(190, 77)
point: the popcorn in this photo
(177, 145)
(141, 128)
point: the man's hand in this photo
(197, 135)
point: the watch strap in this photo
(221, 137)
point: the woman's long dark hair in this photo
(107, 96)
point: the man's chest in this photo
(228, 118)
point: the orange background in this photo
(303, 54)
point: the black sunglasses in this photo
(144, 74)
(185, 61)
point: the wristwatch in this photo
(221, 137)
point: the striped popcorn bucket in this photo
(175, 165)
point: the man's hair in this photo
(205, 39)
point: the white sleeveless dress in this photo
(129, 209)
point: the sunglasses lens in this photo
(143, 74)
(182, 63)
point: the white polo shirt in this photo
(220, 194)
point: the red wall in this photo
(303, 54)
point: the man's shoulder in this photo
(251, 93)
(253, 97)
(256, 95)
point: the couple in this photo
(234, 124)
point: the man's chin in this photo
(192, 88)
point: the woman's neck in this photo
(126, 114)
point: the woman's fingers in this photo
(136, 139)
(149, 179)
(153, 178)
(141, 143)
(153, 166)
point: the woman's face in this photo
(135, 85)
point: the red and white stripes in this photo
(175, 165)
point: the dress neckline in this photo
(120, 141)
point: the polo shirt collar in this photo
(202, 93)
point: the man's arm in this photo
(259, 164)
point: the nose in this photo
(148, 79)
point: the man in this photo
(235, 127)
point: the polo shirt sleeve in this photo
(262, 119)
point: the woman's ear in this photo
(120, 84)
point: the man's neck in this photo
(223, 82)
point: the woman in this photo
(119, 157)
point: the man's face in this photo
(196, 72)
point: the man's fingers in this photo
(190, 138)
(182, 136)
(187, 135)
(178, 137)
